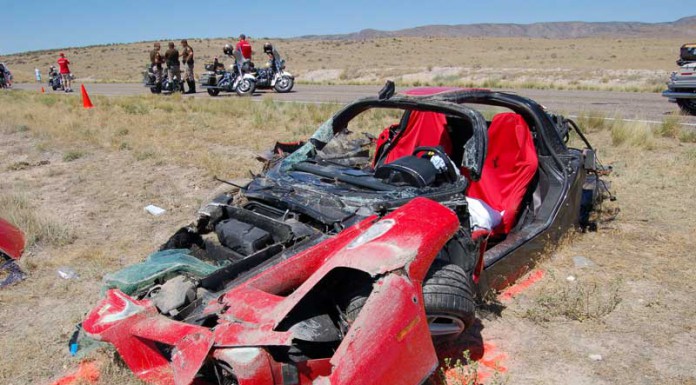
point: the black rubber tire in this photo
(288, 86)
(248, 90)
(213, 91)
(448, 290)
(688, 106)
(355, 304)
(154, 90)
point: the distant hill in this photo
(684, 27)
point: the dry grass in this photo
(219, 137)
(581, 301)
(38, 228)
(633, 134)
(163, 151)
(639, 134)
(628, 64)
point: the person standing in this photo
(187, 60)
(37, 75)
(244, 47)
(171, 57)
(156, 63)
(64, 69)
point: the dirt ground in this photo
(633, 305)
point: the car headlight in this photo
(375, 231)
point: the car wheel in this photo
(688, 106)
(448, 296)
(213, 91)
(284, 84)
(154, 90)
(449, 300)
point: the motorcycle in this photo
(238, 79)
(275, 75)
(167, 86)
(55, 81)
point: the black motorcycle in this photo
(274, 76)
(238, 79)
(55, 81)
(166, 86)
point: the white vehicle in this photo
(681, 88)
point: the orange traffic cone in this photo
(86, 103)
(42, 90)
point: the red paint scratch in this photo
(521, 286)
(87, 372)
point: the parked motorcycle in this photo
(55, 81)
(275, 75)
(167, 86)
(5, 76)
(237, 79)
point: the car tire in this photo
(448, 299)
(213, 91)
(688, 106)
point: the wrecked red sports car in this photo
(348, 256)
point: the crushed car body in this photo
(349, 257)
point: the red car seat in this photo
(510, 165)
(424, 128)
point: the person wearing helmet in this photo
(63, 64)
(244, 47)
(187, 60)
(156, 64)
(268, 50)
(171, 57)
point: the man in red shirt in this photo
(63, 63)
(244, 46)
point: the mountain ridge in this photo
(685, 27)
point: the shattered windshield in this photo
(460, 130)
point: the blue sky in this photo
(32, 25)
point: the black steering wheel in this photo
(451, 173)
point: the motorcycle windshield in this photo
(276, 55)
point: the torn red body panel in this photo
(389, 342)
(11, 240)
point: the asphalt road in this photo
(627, 105)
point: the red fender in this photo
(11, 240)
